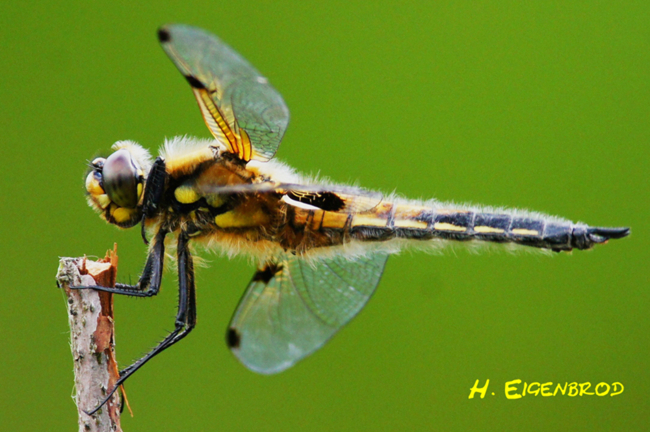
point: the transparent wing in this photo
(329, 198)
(239, 106)
(292, 307)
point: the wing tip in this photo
(163, 34)
(268, 367)
(233, 338)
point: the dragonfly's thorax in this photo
(193, 202)
(223, 201)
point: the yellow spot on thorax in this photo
(186, 194)
(249, 214)
(233, 219)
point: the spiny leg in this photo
(149, 283)
(185, 318)
(153, 193)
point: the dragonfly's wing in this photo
(239, 106)
(345, 199)
(292, 307)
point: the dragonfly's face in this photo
(115, 184)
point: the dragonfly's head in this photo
(115, 184)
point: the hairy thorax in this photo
(255, 222)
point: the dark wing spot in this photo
(233, 338)
(163, 35)
(195, 83)
(267, 273)
(327, 201)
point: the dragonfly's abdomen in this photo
(389, 221)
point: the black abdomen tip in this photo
(609, 233)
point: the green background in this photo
(542, 105)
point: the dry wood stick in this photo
(92, 338)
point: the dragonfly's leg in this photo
(150, 279)
(153, 193)
(185, 318)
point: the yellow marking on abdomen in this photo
(488, 230)
(522, 231)
(448, 227)
(186, 195)
(450, 211)
(403, 211)
(383, 208)
(405, 216)
(359, 220)
(334, 220)
(409, 223)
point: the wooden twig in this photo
(92, 339)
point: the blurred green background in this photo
(539, 105)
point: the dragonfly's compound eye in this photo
(121, 179)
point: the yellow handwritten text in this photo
(513, 390)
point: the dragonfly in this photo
(321, 247)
